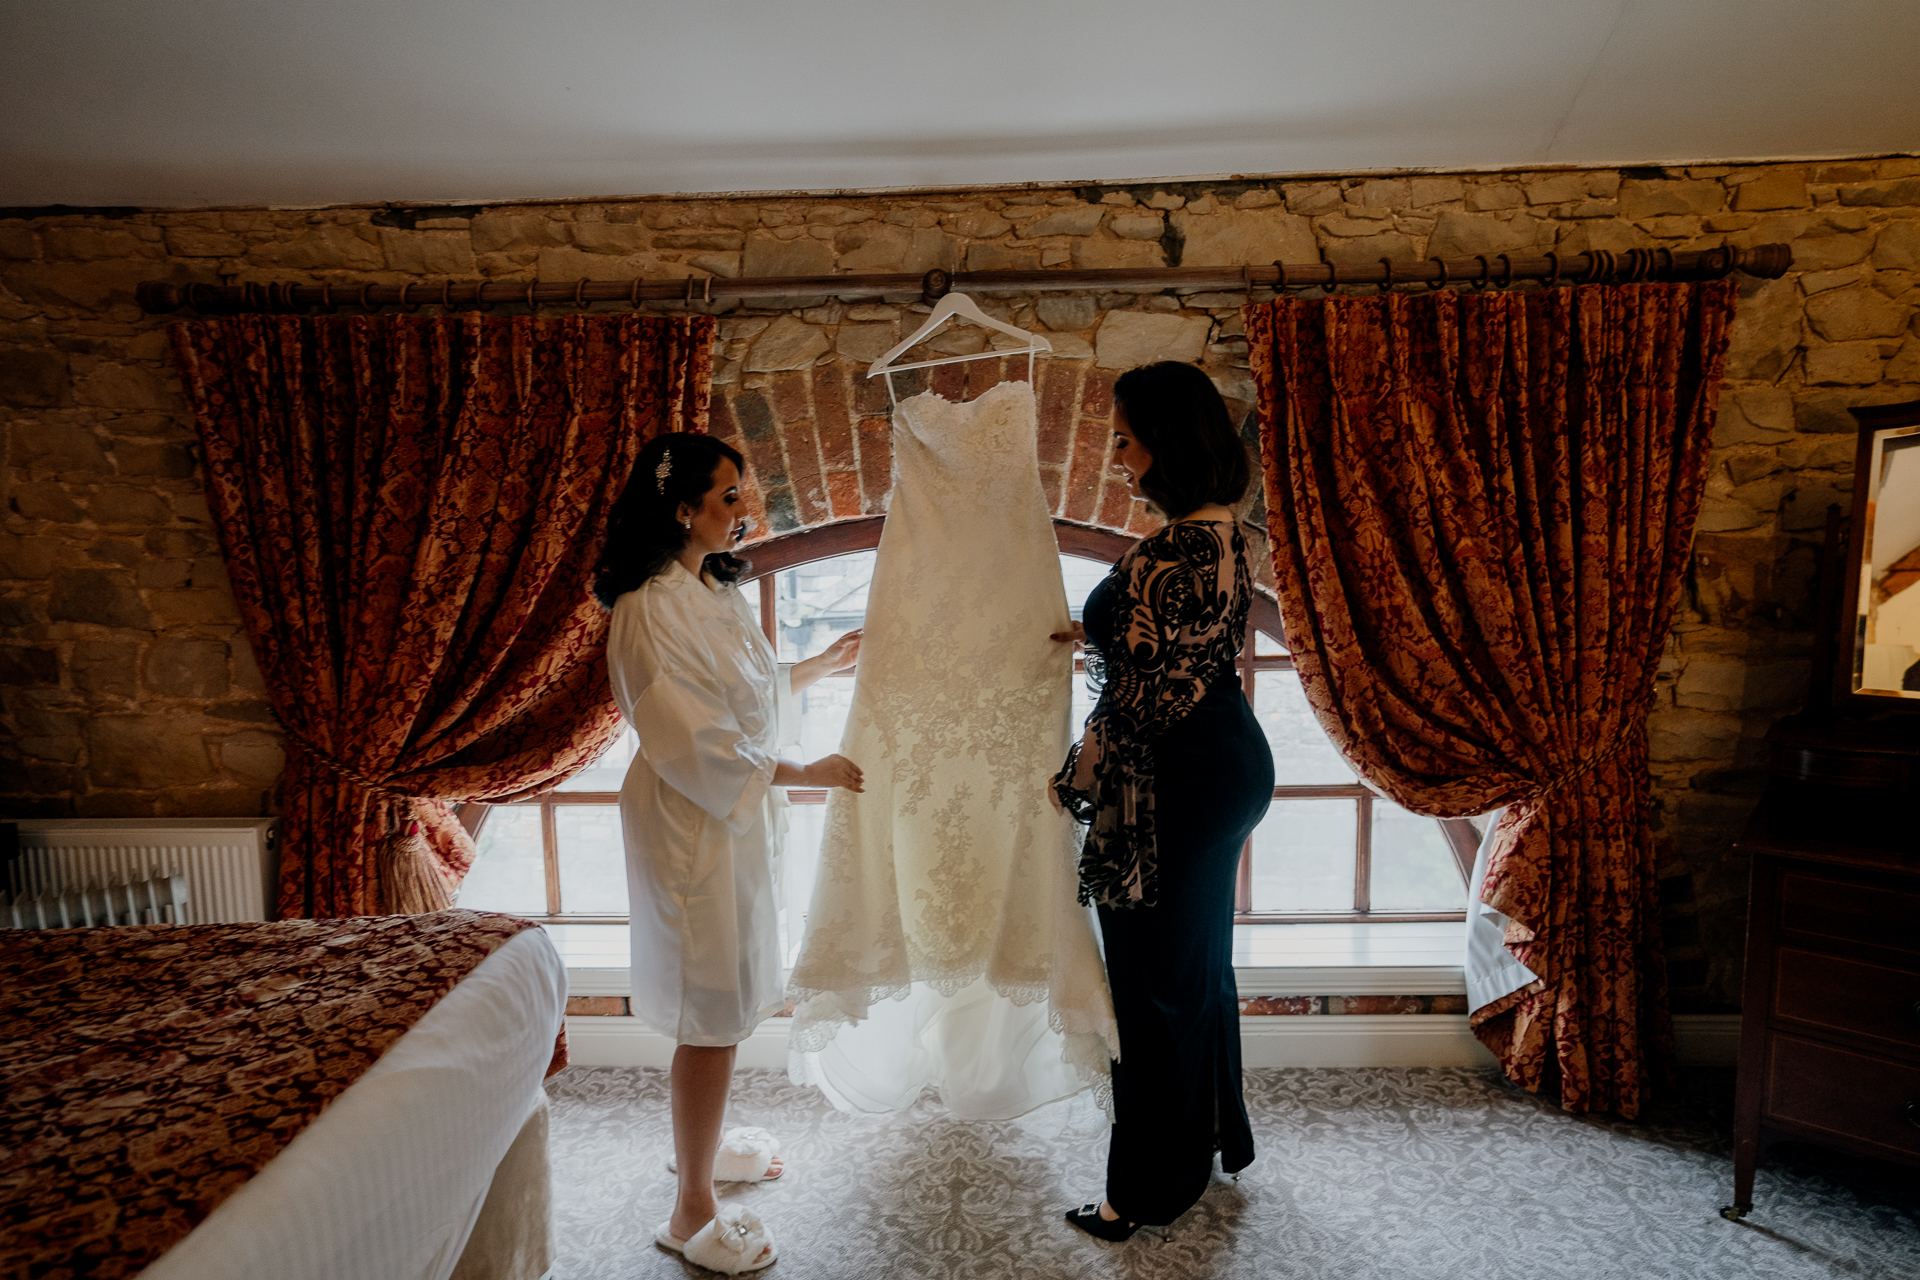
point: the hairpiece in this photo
(665, 469)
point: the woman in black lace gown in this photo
(1171, 776)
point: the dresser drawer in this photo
(1850, 912)
(1847, 1095)
(1850, 997)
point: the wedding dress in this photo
(945, 945)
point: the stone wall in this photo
(129, 689)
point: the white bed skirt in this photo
(390, 1180)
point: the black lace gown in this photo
(1172, 776)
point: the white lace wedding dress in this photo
(945, 945)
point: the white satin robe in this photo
(712, 708)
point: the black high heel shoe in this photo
(1087, 1218)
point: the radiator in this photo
(229, 863)
(160, 900)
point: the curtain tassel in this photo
(410, 880)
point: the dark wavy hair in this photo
(1176, 412)
(644, 534)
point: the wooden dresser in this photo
(1830, 1027)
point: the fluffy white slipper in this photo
(746, 1154)
(734, 1243)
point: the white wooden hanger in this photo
(959, 305)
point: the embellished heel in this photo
(1087, 1218)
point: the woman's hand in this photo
(842, 654)
(832, 771)
(1077, 633)
(839, 656)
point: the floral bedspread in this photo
(146, 1072)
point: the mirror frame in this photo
(1873, 420)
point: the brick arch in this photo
(819, 448)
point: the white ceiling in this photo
(292, 102)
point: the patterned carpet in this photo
(1365, 1173)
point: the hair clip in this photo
(665, 469)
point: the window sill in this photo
(1387, 959)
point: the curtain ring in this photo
(326, 297)
(1553, 279)
(1386, 286)
(706, 294)
(1333, 275)
(687, 300)
(1280, 275)
(480, 302)
(1668, 253)
(1506, 280)
(446, 289)
(633, 292)
(1486, 271)
(1599, 265)
(576, 293)
(1441, 265)
(366, 304)
(531, 286)
(402, 304)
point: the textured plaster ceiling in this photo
(289, 102)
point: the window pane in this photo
(510, 873)
(815, 604)
(1301, 752)
(1303, 856)
(609, 771)
(823, 716)
(593, 862)
(798, 867)
(1413, 870)
(1265, 646)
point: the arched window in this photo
(1329, 850)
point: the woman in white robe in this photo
(712, 710)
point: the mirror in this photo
(1884, 585)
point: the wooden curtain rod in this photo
(1599, 266)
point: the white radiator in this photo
(229, 863)
(160, 900)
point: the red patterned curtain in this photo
(1481, 507)
(411, 508)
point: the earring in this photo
(686, 524)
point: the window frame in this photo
(846, 537)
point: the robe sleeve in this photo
(689, 735)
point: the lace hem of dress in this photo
(1089, 1044)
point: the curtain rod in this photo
(1599, 266)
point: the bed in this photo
(306, 1100)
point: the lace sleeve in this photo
(1186, 599)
